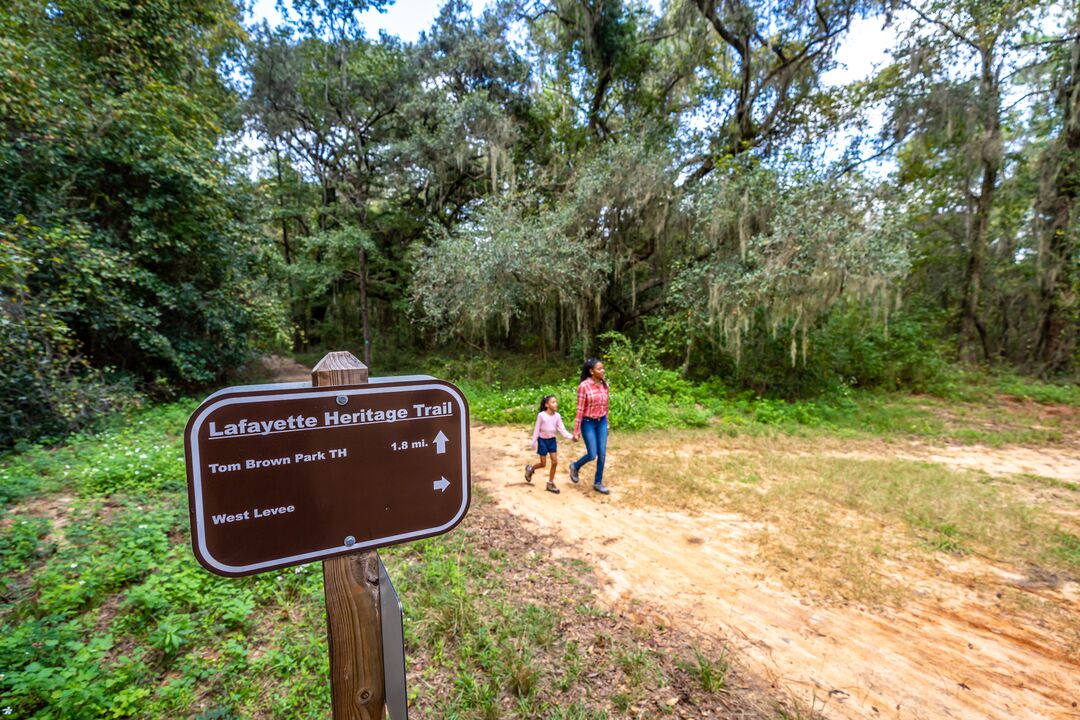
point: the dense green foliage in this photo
(530, 177)
(128, 251)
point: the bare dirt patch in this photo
(284, 369)
(56, 508)
(971, 639)
(1012, 420)
(1062, 463)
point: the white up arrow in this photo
(441, 484)
(440, 443)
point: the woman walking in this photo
(591, 422)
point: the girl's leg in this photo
(529, 469)
(551, 487)
(543, 459)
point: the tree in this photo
(330, 103)
(777, 251)
(763, 68)
(131, 229)
(505, 265)
(1057, 212)
(945, 37)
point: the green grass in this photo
(711, 673)
(104, 612)
(1066, 548)
(978, 386)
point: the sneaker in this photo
(601, 488)
(574, 474)
(551, 488)
(528, 473)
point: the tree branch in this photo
(940, 23)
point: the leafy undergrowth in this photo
(994, 421)
(105, 613)
(969, 408)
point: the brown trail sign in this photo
(280, 475)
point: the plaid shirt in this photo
(592, 402)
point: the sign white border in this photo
(375, 388)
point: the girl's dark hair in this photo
(586, 369)
(543, 402)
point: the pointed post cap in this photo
(339, 368)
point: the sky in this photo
(405, 18)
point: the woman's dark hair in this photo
(586, 369)
(543, 402)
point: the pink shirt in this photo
(592, 401)
(546, 425)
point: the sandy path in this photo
(1062, 464)
(950, 653)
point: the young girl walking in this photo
(543, 439)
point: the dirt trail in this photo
(284, 369)
(949, 653)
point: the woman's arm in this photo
(581, 398)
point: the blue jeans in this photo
(594, 433)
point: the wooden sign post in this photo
(287, 474)
(351, 584)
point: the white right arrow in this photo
(441, 484)
(440, 443)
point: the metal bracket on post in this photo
(392, 618)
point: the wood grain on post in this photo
(351, 583)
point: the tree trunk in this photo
(297, 338)
(362, 280)
(1059, 243)
(281, 204)
(972, 328)
(543, 335)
